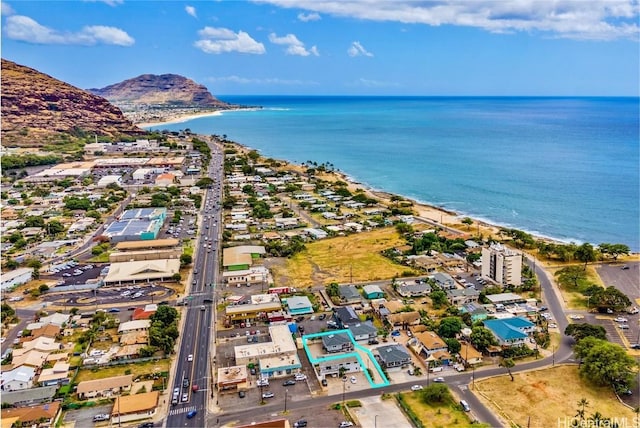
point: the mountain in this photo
(166, 90)
(38, 109)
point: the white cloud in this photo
(306, 17)
(594, 19)
(263, 81)
(221, 40)
(191, 11)
(369, 83)
(294, 46)
(23, 28)
(6, 9)
(356, 49)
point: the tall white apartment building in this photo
(502, 264)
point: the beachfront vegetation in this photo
(582, 330)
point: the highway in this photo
(198, 328)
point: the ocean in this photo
(564, 168)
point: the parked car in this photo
(241, 394)
(416, 387)
(263, 382)
(322, 317)
(101, 417)
(345, 424)
(353, 379)
(620, 319)
(289, 382)
(268, 394)
(300, 424)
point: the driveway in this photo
(376, 412)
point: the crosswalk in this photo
(181, 410)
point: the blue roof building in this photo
(299, 305)
(510, 331)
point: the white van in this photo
(465, 406)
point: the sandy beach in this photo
(178, 118)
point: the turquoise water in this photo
(566, 168)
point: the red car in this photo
(194, 388)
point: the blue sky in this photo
(332, 47)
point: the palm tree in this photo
(583, 403)
(508, 363)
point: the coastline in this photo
(173, 118)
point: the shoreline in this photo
(435, 214)
(179, 118)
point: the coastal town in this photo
(187, 280)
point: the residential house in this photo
(299, 305)
(57, 375)
(56, 319)
(45, 344)
(463, 296)
(393, 356)
(431, 345)
(47, 330)
(346, 316)
(29, 397)
(15, 277)
(363, 331)
(133, 326)
(43, 415)
(144, 313)
(338, 342)
(510, 331)
(129, 408)
(17, 378)
(107, 387)
(413, 289)
(469, 355)
(372, 291)
(404, 319)
(444, 280)
(349, 294)
(477, 311)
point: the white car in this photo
(262, 382)
(620, 319)
(416, 387)
(576, 317)
(439, 380)
(190, 357)
(353, 379)
(553, 325)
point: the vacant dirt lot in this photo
(550, 397)
(356, 257)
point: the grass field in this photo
(448, 415)
(342, 259)
(548, 397)
(572, 296)
(136, 369)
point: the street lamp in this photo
(286, 392)
(344, 385)
(375, 421)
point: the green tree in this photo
(449, 327)
(438, 298)
(436, 393)
(54, 227)
(453, 345)
(585, 253)
(468, 221)
(185, 259)
(165, 314)
(609, 298)
(605, 363)
(614, 250)
(508, 364)
(43, 288)
(582, 330)
(11, 264)
(582, 404)
(482, 338)
(34, 221)
(36, 265)
(571, 275)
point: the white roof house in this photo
(55, 319)
(138, 325)
(18, 378)
(15, 277)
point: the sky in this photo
(336, 47)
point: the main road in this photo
(198, 328)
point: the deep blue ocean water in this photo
(566, 168)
